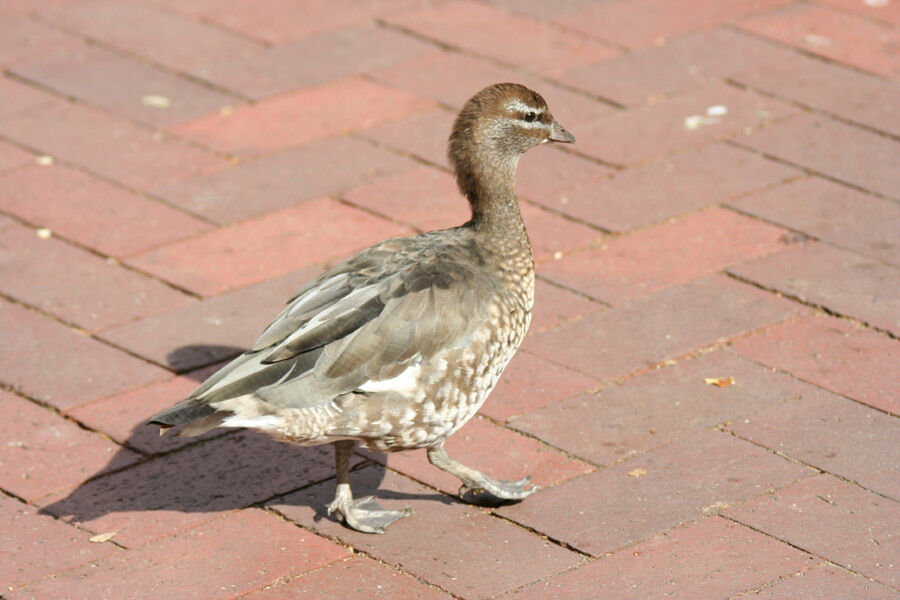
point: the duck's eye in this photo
(530, 116)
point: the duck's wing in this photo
(363, 322)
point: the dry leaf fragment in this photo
(715, 507)
(102, 537)
(637, 472)
(719, 381)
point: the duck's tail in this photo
(197, 416)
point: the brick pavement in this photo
(172, 170)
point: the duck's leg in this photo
(478, 482)
(364, 514)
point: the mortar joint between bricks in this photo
(820, 307)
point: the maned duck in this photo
(399, 346)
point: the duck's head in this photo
(505, 119)
(493, 130)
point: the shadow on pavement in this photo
(225, 469)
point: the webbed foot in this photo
(365, 514)
(477, 487)
(488, 492)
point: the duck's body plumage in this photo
(399, 346)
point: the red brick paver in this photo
(707, 395)
(626, 419)
(456, 547)
(35, 546)
(646, 22)
(43, 452)
(92, 212)
(710, 559)
(844, 282)
(821, 145)
(832, 33)
(75, 285)
(265, 247)
(664, 326)
(362, 577)
(670, 186)
(494, 33)
(826, 581)
(630, 267)
(678, 483)
(692, 119)
(201, 482)
(834, 519)
(817, 207)
(108, 146)
(84, 73)
(303, 116)
(269, 550)
(824, 350)
(790, 430)
(49, 347)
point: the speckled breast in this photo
(454, 384)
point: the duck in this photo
(398, 347)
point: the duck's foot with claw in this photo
(491, 492)
(477, 487)
(365, 514)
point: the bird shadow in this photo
(195, 360)
(223, 470)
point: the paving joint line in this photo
(356, 551)
(287, 579)
(812, 109)
(859, 15)
(809, 170)
(805, 551)
(551, 23)
(806, 237)
(110, 260)
(819, 470)
(66, 417)
(546, 446)
(777, 580)
(810, 304)
(156, 133)
(812, 383)
(360, 135)
(80, 330)
(213, 24)
(486, 510)
(802, 51)
(96, 175)
(499, 63)
(141, 58)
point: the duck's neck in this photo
(489, 183)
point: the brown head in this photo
(494, 128)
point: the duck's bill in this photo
(558, 133)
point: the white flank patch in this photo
(404, 383)
(260, 422)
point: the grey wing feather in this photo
(364, 320)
